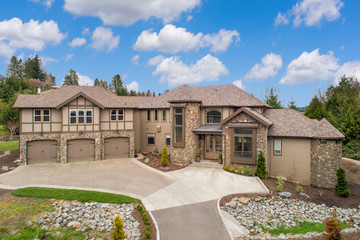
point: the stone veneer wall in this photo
(261, 136)
(192, 121)
(325, 160)
(63, 138)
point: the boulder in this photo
(304, 195)
(244, 200)
(147, 160)
(5, 168)
(284, 195)
(232, 204)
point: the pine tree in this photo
(341, 186)
(261, 171)
(71, 78)
(332, 227)
(272, 97)
(34, 68)
(316, 109)
(292, 105)
(15, 68)
(118, 229)
(96, 82)
(164, 157)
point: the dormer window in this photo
(213, 116)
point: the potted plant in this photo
(220, 158)
(198, 157)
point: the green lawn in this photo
(71, 194)
(3, 130)
(9, 145)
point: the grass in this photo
(71, 194)
(35, 232)
(301, 228)
(4, 131)
(9, 145)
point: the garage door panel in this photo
(42, 152)
(116, 148)
(81, 150)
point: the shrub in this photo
(147, 222)
(341, 186)
(220, 156)
(144, 238)
(249, 172)
(118, 229)
(164, 157)
(280, 184)
(232, 169)
(227, 167)
(147, 228)
(332, 227)
(261, 171)
(135, 152)
(147, 234)
(240, 170)
(299, 189)
(198, 154)
(139, 207)
(144, 215)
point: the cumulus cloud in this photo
(85, 80)
(85, 31)
(270, 64)
(46, 60)
(310, 66)
(77, 42)
(104, 39)
(133, 86)
(135, 59)
(155, 60)
(68, 57)
(348, 69)
(311, 12)
(172, 39)
(239, 84)
(33, 35)
(125, 13)
(47, 3)
(175, 72)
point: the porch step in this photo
(206, 163)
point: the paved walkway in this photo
(183, 202)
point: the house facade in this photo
(80, 123)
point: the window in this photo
(81, 116)
(277, 147)
(150, 138)
(213, 117)
(167, 139)
(323, 141)
(42, 115)
(178, 127)
(338, 141)
(117, 114)
(155, 115)
(148, 115)
(89, 116)
(164, 115)
(243, 143)
(73, 116)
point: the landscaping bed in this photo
(8, 160)
(154, 160)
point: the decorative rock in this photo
(40, 221)
(232, 204)
(29, 223)
(166, 168)
(45, 227)
(5, 168)
(76, 225)
(147, 160)
(284, 195)
(304, 195)
(244, 200)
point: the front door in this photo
(213, 146)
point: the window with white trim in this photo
(117, 114)
(89, 115)
(167, 139)
(42, 115)
(277, 147)
(150, 138)
(81, 116)
(73, 115)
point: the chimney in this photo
(39, 90)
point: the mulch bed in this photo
(155, 162)
(9, 160)
(137, 215)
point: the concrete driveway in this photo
(183, 202)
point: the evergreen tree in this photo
(261, 171)
(133, 93)
(50, 79)
(96, 82)
(316, 109)
(117, 84)
(341, 186)
(71, 78)
(15, 68)
(34, 68)
(118, 229)
(272, 97)
(148, 94)
(104, 84)
(292, 105)
(164, 157)
(9, 116)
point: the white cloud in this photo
(46, 60)
(68, 57)
(85, 31)
(85, 80)
(173, 40)
(104, 39)
(135, 59)
(239, 84)
(47, 3)
(189, 18)
(125, 13)
(155, 60)
(311, 12)
(133, 86)
(270, 64)
(33, 35)
(310, 66)
(348, 69)
(175, 72)
(77, 42)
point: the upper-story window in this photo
(117, 114)
(164, 115)
(213, 117)
(42, 115)
(179, 134)
(148, 115)
(155, 115)
(81, 116)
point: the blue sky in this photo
(298, 46)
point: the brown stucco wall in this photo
(325, 160)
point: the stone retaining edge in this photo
(351, 160)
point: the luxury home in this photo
(80, 123)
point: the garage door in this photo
(116, 148)
(81, 150)
(41, 152)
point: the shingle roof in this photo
(208, 128)
(290, 123)
(252, 113)
(56, 97)
(214, 95)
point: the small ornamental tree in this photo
(332, 227)
(164, 157)
(341, 186)
(261, 171)
(118, 229)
